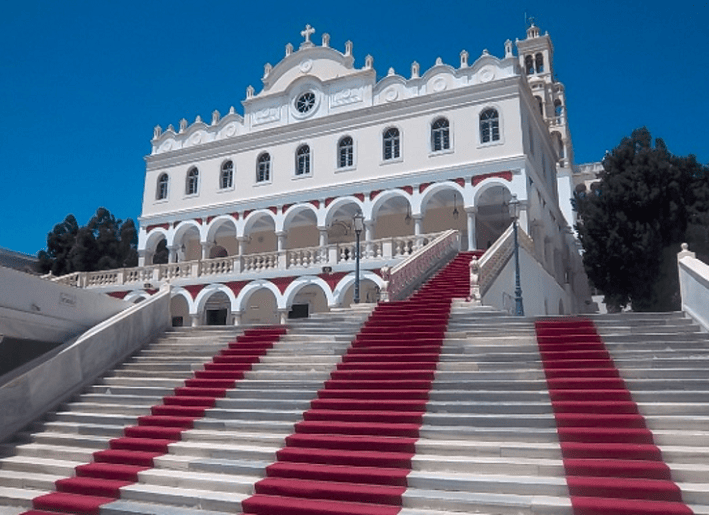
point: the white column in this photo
(242, 244)
(236, 317)
(323, 244)
(195, 320)
(206, 247)
(141, 257)
(368, 237)
(472, 241)
(418, 230)
(172, 254)
(282, 264)
(283, 316)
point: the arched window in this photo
(391, 144)
(192, 182)
(489, 126)
(226, 179)
(263, 168)
(529, 65)
(440, 135)
(345, 152)
(558, 110)
(302, 160)
(539, 61)
(540, 102)
(161, 192)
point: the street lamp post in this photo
(358, 220)
(514, 213)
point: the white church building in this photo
(249, 216)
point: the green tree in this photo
(631, 226)
(104, 243)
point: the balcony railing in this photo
(382, 249)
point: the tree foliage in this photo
(103, 244)
(631, 225)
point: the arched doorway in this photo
(493, 215)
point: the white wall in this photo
(694, 287)
(39, 309)
(540, 291)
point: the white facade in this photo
(442, 149)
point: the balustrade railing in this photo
(302, 258)
(421, 261)
(495, 258)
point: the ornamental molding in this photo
(266, 115)
(347, 96)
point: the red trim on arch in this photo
(460, 181)
(236, 286)
(247, 212)
(285, 208)
(360, 196)
(165, 226)
(118, 294)
(194, 289)
(282, 282)
(424, 186)
(374, 193)
(501, 175)
(328, 201)
(235, 215)
(407, 189)
(316, 203)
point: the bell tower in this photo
(536, 59)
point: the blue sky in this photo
(82, 84)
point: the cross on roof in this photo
(309, 31)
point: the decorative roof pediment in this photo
(321, 63)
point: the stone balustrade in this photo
(398, 247)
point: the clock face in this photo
(305, 102)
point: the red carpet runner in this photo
(99, 482)
(353, 450)
(612, 465)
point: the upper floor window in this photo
(345, 152)
(302, 160)
(440, 135)
(392, 144)
(163, 181)
(263, 168)
(539, 62)
(192, 182)
(226, 178)
(489, 126)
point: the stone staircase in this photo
(227, 450)
(488, 442)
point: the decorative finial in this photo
(157, 131)
(391, 72)
(170, 128)
(439, 61)
(250, 92)
(198, 119)
(289, 49)
(464, 59)
(485, 51)
(215, 117)
(232, 110)
(508, 48)
(326, 40)
(415, 67)
(183, 125)
(348, 47)
(309, 31)
(368, 62)
(267, 69)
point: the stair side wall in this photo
(79, 362)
